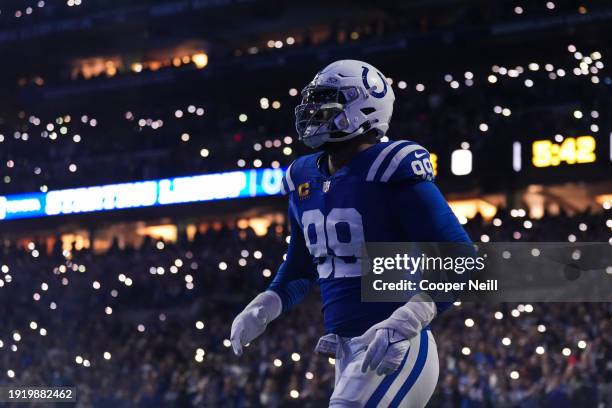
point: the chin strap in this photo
(361, 130)
(356, 133)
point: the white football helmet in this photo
(344, 100)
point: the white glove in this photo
(385, 352)
(388, 341)
(252, 321)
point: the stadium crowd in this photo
(148, 326)
(190, 132)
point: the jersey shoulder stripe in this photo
(287, 184)
(380, 158)
(298, 171)
(401, 160)
(397, 160)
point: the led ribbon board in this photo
(140, 194)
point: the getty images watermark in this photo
(423, 265)
(488, 272)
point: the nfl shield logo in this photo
(326, 185)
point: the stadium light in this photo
(461, 162)
(200, 60)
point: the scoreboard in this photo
(571, 150)
(511, 163)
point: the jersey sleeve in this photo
(402, 161)
(287, 184)
(425, 216)
(296, 275)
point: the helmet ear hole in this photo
(367, 111)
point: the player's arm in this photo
(296, 275)
(293, 280)
(424, 216)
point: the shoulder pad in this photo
(400, 161)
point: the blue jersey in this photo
(384, 194)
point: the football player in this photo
(357, 189)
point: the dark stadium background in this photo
(133, 307)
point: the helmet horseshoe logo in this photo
(364, 77)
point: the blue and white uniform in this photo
(384, 194)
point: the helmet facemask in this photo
(321, 117)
